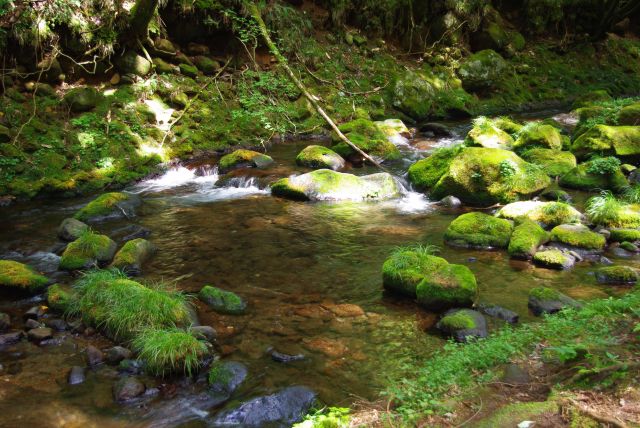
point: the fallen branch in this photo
(596, 416)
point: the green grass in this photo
(428, 384)
(605, 209)
(169, 351)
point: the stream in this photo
(311, 273)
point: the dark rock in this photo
(450, 202)
(462, 324)
(39, 334)
(499, 312)
(132, 63)
(11, 338)
(43, 261)
(556, 195)
(197, 49)
(31, 323)
(135, 231)
(56, 324)
(131, 366)
(34, 312)
(285, 358)
(70, 229)
(544, 300)
(82, 99)
(94, 356)
(282, 408)
(5, 321)
(76, 326)
(225, 377)
(205, 331)
(128, 388)
(438, 129)
(76, 375)
(116, 354)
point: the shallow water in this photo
(293, 261)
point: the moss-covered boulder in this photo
(132, 63)
(525, 240)
(407, 267)
(556, 163)
(617, 275)
(547, 213)
(425, 173)
(60, 298)
(20, 276)
(88, 250)
(319, 157)
(508, 125)
(463, 324)
(629, 115)
(554, 259)
(540, 135)
(163, 67)
(244, 159)
(188, 70)
(82, 99)
(205, 64)
(590, 98)
(394, 129)
(624, 235)
(485, 133)
(482, 70)
(544, 300)
(578, 235)
(448, 287)
(132, 255)
(70, 229)
(478, 230)
(621, 141)
(225, 377)
(222, 301)
(587, 176)
(483, 177)
(368, 137)
(108, 206)
(328, 185)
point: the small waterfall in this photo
(178, 177)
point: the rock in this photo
(222, 301)
(165, 47)
(450, 202)
(70, 229)
(87, 251)
(163, 67)
(33, 312)
(132, 63)
(40, 89)
(134, 232)
(462, 324)
(11, 338)
(94, 356)
(225, 377)
(116, 354)
(56, 324)
(556, 195)
(179, 99)
(325, 184)
(438, 129)
(197, 49)
(483, 177)
(622, 275)
(578, 235)
(486, 134)
(128, 388)
(108, 206)
(526, 239)
(39, 334)
(59, 298)
(132, 255)
(590, 98)
(630, 247)
(188, 70)
(205, 64)
(620, 141)
(319, 157)
(543, 300)
(31, 324)
(556, 163)
(368, 137)
(588, 176)
(284, 407)
(554, 259)
(243, 159)
(82, 99)
(425, 173)
(115, 79)
(131, 366)
(206, 332)
(482, 70)
(20, 276)
(538, 135)
(499, 312)
(478, 230)
(76, 375)
(279, 357)
(548, 214)
(5, 321)
(629, 115)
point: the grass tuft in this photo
(169, 351)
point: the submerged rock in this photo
(621, 275)
(496, 311)
(325, 184)
(284, 407)
(543, 300)
(244, 159)
(128, 388)
(132, 255)
(225, 302)
(462, 324)
(478, 230)
(285, 358)
(94, 355)
(109, 206)
(20, 276)
(76, 375)
(319, 157)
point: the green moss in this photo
(425, 173)
(591, 98)
(479, 230)
(526, 239)
(547, 213)
(60, 298)
(606, 210)
(629, 115)
(219, 373)
(367, 137)
(188, 70)
(287, 189)
(622, 141)
(629, 246)
(508, 125)
(82, 99)
(133, 253)
(101, 206)
(482, 70)
(407, 267)
(552, 259)
(580, 178)
(17, 275)
(242, 158)
(538, 135)
(206, 64)
(451, 286)
(617, 275)
(485, 133)
(169, 351)
(621, 235)
(578, 235)
(544, 293)
(222, 301)
(319, 157)
(459, 320)
(87, 249)
(555, 162)
(512, 414)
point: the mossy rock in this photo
(368, 137)
(525, 240)
(226, 376)
(87, 251)
(547, 213)
(448, 287)
(179, 99)
(556, 163)
(393, 129)
(244, 159)
(621, 141)
(109, 205)
(205, 64)
(222, 301)
(188, 70)
(71, 229)
(508, 125)
(82, 99)
(20, 276)
(629, 115)
(319, 157)
(553, 259)
(425, 173)
(132, 63)
(617, 275)
(133, 254)
(538, 135)
(483, 177)
(622, 235)
(486, 134)
(60, 298)
(483, 70)
(406, 268)
(163, 67)
(478, 230)
(591, 98)
(544, 300)
(580, 178)
(463, 324)
(329, 185)
(629, 246)
(578, 235)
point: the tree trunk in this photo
(141, 15)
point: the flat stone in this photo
(76, 375)
(31, 324)
(116, 354)
(11, 338)
(205, 331)
(94, 355)
(346, 310)
(34, 312)
(128, 388)
(39, 334)
(329, 347)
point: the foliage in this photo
(328, 417)
(169, 351)
(604, 166)
(604, 209)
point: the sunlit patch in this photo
(178, 177)
(162, 112)
(148, 149)
(109, 92)
(105, 164)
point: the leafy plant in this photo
(331, 417)
(604, 166)
(604, 208)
